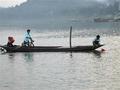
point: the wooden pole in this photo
(71, 37)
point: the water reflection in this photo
(28, 57)
(11, 56)
(71, 55)
(97, 53)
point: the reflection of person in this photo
(28, 38)
(96, 41)
(10, 41)
(28, 57)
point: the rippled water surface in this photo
(61, 71)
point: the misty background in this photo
(57, 14)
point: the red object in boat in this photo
(11, 39)
(103, 50)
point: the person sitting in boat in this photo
(28, 39)
(11, 40)
(96, 42)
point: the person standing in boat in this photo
(96, 42)
(11, 40)
(28, 39)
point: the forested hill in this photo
(47, 12)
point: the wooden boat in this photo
(18, 48)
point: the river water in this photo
(61, 71)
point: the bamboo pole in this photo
(71, 37)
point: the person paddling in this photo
(96, 42)
(10, 41)
(28, 39)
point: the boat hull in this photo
(50, 49)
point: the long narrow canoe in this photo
(50, 48)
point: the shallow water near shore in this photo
(61, 71)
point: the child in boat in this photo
(10, 41)
(96, 41)
(28, 39)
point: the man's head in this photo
(98, 36)
(28, 31)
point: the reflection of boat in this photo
(50, 48)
